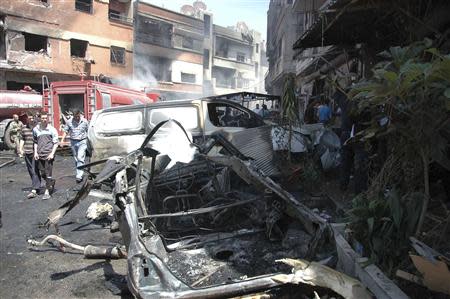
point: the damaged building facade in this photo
(330, 44)
(179, 55)
(190, 56)
(64, 40)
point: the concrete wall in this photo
(179, 67)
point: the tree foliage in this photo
(409, 100)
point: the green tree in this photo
(411, 91)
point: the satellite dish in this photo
(199, 5)
(188, 10)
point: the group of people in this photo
(264, 111)
(37, 141)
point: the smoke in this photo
(142, 78)
(172, 141)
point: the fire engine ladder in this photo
(47, 104)
(91, 92)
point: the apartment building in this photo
(64, 40)
(168, 51)
(186, 55)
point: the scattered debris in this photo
(432, 266)
(89, 251)
(319, 275)
(99, 210)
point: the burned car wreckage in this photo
(214, 226)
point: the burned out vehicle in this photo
(213, 227)
(119, 130)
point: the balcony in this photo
(233, 63)
(120, 18)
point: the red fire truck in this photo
(59, 98)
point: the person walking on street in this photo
(27, 151)
(45, 138)
(16, 128)
(77, 127)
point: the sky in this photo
(228, 12)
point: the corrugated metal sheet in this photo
(257, 144)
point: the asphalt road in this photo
(46, 272)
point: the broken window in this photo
(117, 55)
(159, 67)
(83, 5)
(154, 32)
(225, 115)
(188, 78)
(118, 10)
(188, 42)
(240, 57)
(78, 48)
(35, 43)
(114, 14)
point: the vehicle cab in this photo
(119, 130)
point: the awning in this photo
(376, 22)
(245, 96)
(347, 22)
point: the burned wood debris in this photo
(213, 227)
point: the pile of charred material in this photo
(213, 227)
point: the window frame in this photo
(122, 131)
(152, 109)
(79, 40)
(25, 34)
(188, 74)
(254, 120)
(112, 54)
(91, 6)
(240, 54)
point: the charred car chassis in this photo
(207, 203)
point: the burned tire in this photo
(9, 143)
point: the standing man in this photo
(16, 128)
(324, 113)
(256, 110)
(264, 112)
(27, 150)
(45, 144)
(77, 127)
